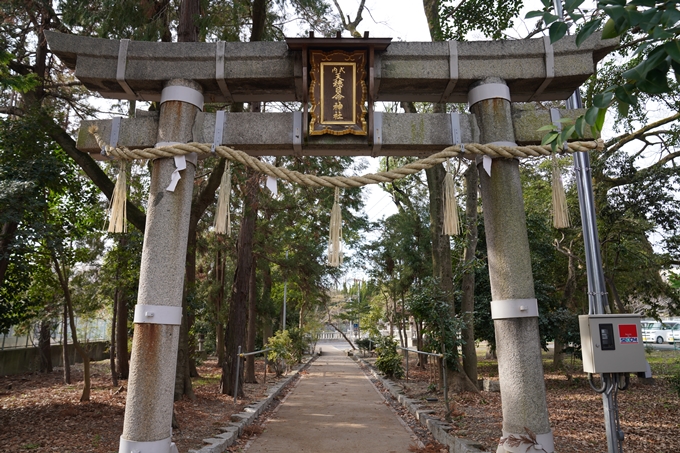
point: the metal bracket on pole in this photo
(182, 94)
(297, 133)
(453, 71)
(377, 133)
(219, 71)
(120, 69)
(219, 130)
(549, 67)
(113, 138)
(158, 314)
(514, 308)
(158, 446)
(456, 134)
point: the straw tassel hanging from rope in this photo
(335, 239)
(559, 199)
(118, 207)
(222, 213)
(451, 222)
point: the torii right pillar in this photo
(514, 308)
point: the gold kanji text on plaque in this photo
(337, 93)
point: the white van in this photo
(659, 332)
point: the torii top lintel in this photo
(534, 69)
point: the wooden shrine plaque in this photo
(337, 93)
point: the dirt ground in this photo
(649, 413)
(38, 413)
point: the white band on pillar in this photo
(158, 314)
(545, 443)
(183, 94)
(488, 91)
(158, 446)
(514, 308)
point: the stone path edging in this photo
(424, 417)
(239, 421)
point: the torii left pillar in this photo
(158, 313)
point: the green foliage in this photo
(389, 359)
(367, 344)
(491, 18)
(8, 79)
(287, 346)
(300, 341)
(428, 303)
(30, 170)
(656, 28)
(281, 353)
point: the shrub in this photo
(366, 344)
(300, 343)
(389, 360)
(281, 353)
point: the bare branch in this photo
(616, 143)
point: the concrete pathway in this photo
(334, 409)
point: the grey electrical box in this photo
(612, 344)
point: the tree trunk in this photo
(112, 351)
(45, 347)
(64, 349)
(122, 356)
(183, 385)
(341, 333)
(187, 31)
(236, 327)
(219, 299)
(259, 12)
(72, 322)
(252, 325)
(468, 281)
(6, 237)
(267, 321)
(441, 245)
(558, 354)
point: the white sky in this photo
(401, 20)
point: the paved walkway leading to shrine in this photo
(334, 409)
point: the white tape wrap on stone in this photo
(183, 94)
(158, 446)
(158, 314)
(514, 308)
(488, 91)
(522, 443)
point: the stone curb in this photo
(437, 428)
(240, 421)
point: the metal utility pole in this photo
(597, 292)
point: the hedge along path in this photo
(469, 151)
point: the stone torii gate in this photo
(488, 75)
